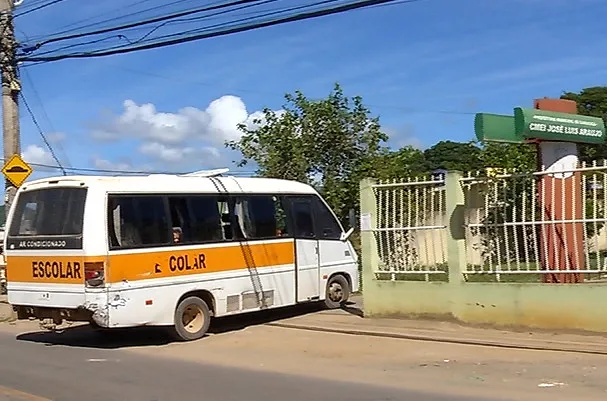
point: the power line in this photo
(103, 14)
(198, 30)
(90, 42)
(142, 38)
(44, 113)
(244, 28)
(144, 22)
(119, 17)
(98, 170)
(212, 15)
(207, 28)
(117, 171)
(224, 24)
(31, 10)
(33, 117)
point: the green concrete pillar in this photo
(456, 236)
(368, 222)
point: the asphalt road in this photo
(35, 371)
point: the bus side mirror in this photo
(344, 236)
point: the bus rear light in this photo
(94, 273)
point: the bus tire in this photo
(192, 319)
(337, 292)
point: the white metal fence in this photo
(515, 223)
(411, 228)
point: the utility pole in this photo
(11, 87)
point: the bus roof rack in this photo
(206, 173)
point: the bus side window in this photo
(326, 225)
(205, 219)
(282, 228)
(142, 221)
(122, 221)
(260, 216)
(153, 220)
(180, 219)
(226, 218)
(302, 217)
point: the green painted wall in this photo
(570, 307)
(534, 305)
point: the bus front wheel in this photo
(338, 292)
(192, 319)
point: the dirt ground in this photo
(427, 366)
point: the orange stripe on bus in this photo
(176, 262)
(48, 269)
(157, 264)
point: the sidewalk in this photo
(339, 321)
(6, 311)
(349, 322)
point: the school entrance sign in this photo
(560, 127)
(532, 124)
(555, 128)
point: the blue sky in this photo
(425, 68)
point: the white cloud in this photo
(39, 158)
(189, 136)
(35, 154)
(172, 154)
(215, 124)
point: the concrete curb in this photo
(525, 345)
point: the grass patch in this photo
(485, 274)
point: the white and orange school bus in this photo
(172, 250)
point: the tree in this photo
(451, 155)
(509, 156)
(512, 197)
(591, 102)
(331, 143)
(396, 164)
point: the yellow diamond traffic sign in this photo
(16, 170)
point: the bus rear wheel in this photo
(192, 319)
(338, 292)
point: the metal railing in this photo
(516, 223)
(410, 228)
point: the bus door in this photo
(307, 264)
(334, 250)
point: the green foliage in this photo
(404, 162)
(451, 155)
(509, 156)
(331, 143)
(591, 102)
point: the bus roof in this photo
(166, 183)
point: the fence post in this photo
(368, 222)
(456, 237)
